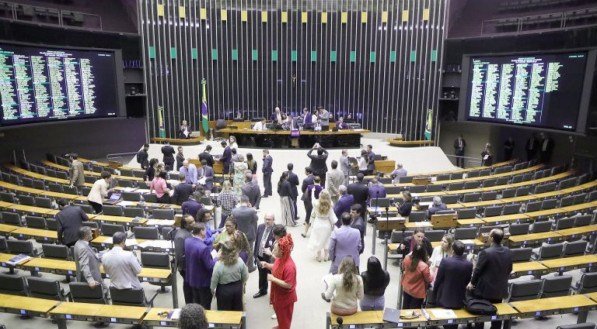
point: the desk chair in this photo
(7, 197)
(533, 206)
(405, 179)
(394, 189)
(564, 223)
(519, 229)
(11, 218)
(541, 227)
(21, 247)
(485, 172)
(467, 213)
(575, 248)
(111, 210)
(14, 179)
(455, 186)
(471, 185)
(35, 221)
(55, 251)
(131, 196)
(582, 179)
(456, 175)
(567, 201)
(566, 183)
(88, 209)
(543, 188)
(522, 191)
(127, 172)
(492, 211)
(152, 198)
(110, 229)
(3, 246)
(583, 220)
(471, 197)
(592, 196)
(43, 202)
(163, 214)
(549, 204)
(580, 198)
(520, 166)
(148, 233)
(81, 293)
(399, 236)
(435, 235)
(502, 181)
(52, 224)
(538, 175)
(435, 188)
(443, 177)
(130, 297)
(51, 172)
(587, 283)
(517, 179)
(450, 199)
(14, 285)
(472, 174)
(508, 193)
(489, 182)
(528, 176)
(465, 233)
(550, 251)
(501, 170)
(126, 183)
(46, 288)
(93, 225)
(165, 231)
(510, 209)
(417, 189)
(157, 260)
(27, 182)
(556, 286)
(61, 175)
(55, 187)
(85, 190)
(26, 200)
(39, 184)
(521, 254)
(71, 190)
(588, 325)
(486, 196)
(417, 216)
(525, 290)
(134, 212)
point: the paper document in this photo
(174, 314)
(160, 222)
(156, 244)
(443, 314)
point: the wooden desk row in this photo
(63, 311)
(430, 317)
(35, 175)
(67, 267)
(541, 267)
(461, 170)
(90, 173)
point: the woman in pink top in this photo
(160, 188)
(415, 278)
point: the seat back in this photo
(567, 201)
(11, 218)
(520, 166)
(88, 209)
(519, 229)
(134, 212)
(549, 251)
(486, 196)
(442, 177)
(39, 184)
(564, 223)
(3, 245)
(130, 297)
(26, 200)
(534, 206)
(517, 179)
(111, 210)
(541, 227)
(55, 251)
(485, 172)
(472, 174)
(525, 290)
(549, 204)
(35, 221)
(82, 293)
(12, 284)
(473, 184)
(508, 193)
(54, 187)
(52, 224)
(20, 247)
(583, 220)
(110, 229)
(502, 180)
(43, 202)
(510, 209)
(521, 254)
(417, 189)
(492, 211)
(455, 186)
(467, 213)
(456, 175)
(435, 188)
(556, 286)
(566, 183)
(155, 259)
(592, 196)
(399, 236)
(149, 233)
(45, 288)
(163, 214)
(501, 170)
(152, 198)
(131, 196)
(435, 235)
(417, 216)
(7, 197)
(580, 198)
(465, 233)
(575, 248)
(450, 199)
(587, 283)
(522, 191)
(405, 179)
(471, 197)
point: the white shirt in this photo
(343, 299)
(363, 163)
(99, 191)
(259, 126)
(122, 267)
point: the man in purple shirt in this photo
(376, 190)
(190, 172)
(344, 203)
(199, 266)
(192, 205)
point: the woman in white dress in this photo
(323, 220)
(440, 252)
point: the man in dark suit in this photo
(143, 157)
(226, 158)
(267, 173)
(459, 147)
(370, 160)
(546, 148)
(206, 155)
(294, 182)
(309, 180)
(318, 160)
(70, 218)
(199, 265)
(531, 147)
(490, 276)
(246, 220)
(452, 277)
(182, 190)
(180, 236)
(264, 243)
(251, 190)
(344, 203)
(359, 191)
(168, 152)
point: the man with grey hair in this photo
(344, 203)
(246, 219)
(122, 266)
(334, 178)
(436, 206)
(345, 166)
(251, 189)
(86, 260)
(264, 243)
(398, 172)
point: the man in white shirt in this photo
(100, 191)
(260, 125)
(122, 266)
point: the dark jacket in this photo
(168, 152)
(226, 159)
(268, 244)
(405, 208)
(267, 165)
(207, 157)
(426, 244)
(143, 158)
(318, 164)
(199, 263)
(309, 180)
(371, 162)
(343, 205)
(191, 207)
(181, 193)
(450, 283)
(246, 219)
(179, 160)
(294, 182)
(375, 286)
(433, 209)
(492, 272)
(179, 238)
(285, 189)
(359, 224)
(360, 192)
(457, 149)
(70, 219)
(253, 192)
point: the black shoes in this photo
(259, 294)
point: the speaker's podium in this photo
(444, 221)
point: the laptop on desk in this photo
(115, 197)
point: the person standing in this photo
(375, 282)
(359, 191)
(334, 178)
(345, 241)
(251, 190)
(358, 222)
(487, 156)
(263, 244)
(452, 277)
(76, 172)
(227, 199)
(318, 161)
(168, 156)
(491, 274)
(226, 158)
(311, 189)
(546, 149)
(206, 155)
(459, 148)
(344, 203)
(416, 278)
(251, 164)
(283, 279)
(285, 192)
(122, 266)
(240, 167)
(246, 219)
(531, 147)
(294, 182)
(345, 166)
(182, 191)
(192, 205)
(151, 170)
(417, 239)
(267, 174)
(181, 235)
(86, 260)
(70, 219)
(99, 191)
(441, 252)
(323, 220)
(179, 158)
(370, 160)
(228, 278)
(509, 145)
(324, 119)
(199, 266)
(189, 171)
(143, 156)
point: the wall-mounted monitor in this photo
(540, 90)
(40, 84)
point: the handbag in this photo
(478, 306)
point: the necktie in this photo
(264, 240)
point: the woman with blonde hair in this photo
(227, 199)
(440, 252)
(348, 288)
(323, 220)
(228, 278)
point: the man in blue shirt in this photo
(190, 172)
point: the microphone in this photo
(340, 321)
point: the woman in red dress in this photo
(283, 279)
